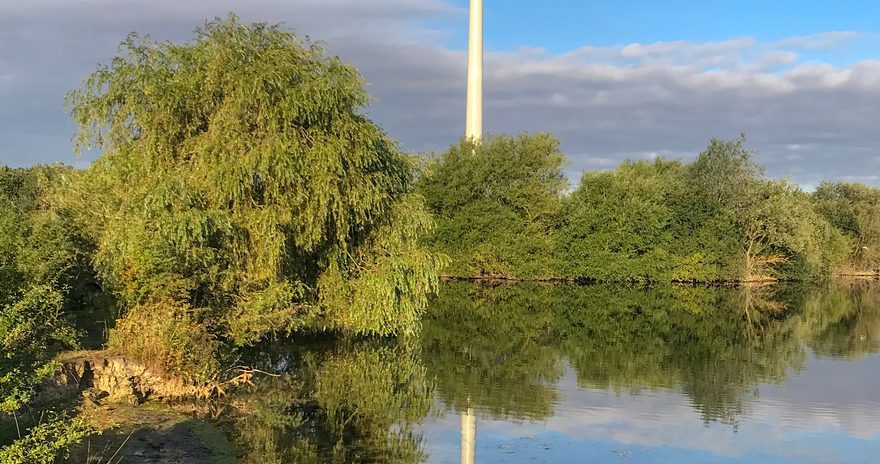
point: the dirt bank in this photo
(107, 377)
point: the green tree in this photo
(855, 210)
(44, 280)
(763, 229)
(622, 225)
(781, 227)
(496, 203)
(242, 192)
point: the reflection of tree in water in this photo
(501, 351)
(354, 402)
(854, 329)
(700, 340)
(747, 338)
(492, 348)
(501, 348)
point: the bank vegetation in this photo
(504, 210)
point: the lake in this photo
(562, 373)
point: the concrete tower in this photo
(474, 127)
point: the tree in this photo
(771, 224)
(43, 281)
(782, 226)
(242, 192)
(621, 225)
(855, 210)
(495, 203)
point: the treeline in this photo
(504, 209)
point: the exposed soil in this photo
(112, 378)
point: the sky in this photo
(613, 80)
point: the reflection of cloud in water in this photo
(830, 397)
(829, 413)
(829, 393)
(652, 418)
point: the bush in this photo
(32, 331)
(47, 441)
(854, 209)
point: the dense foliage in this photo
(37, 267)
(44, 275)
(855, 210)
(495, 204)
(242, 192)
(502, 211)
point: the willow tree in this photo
(241, 191)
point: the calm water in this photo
(554, 374)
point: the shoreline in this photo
(502, 279)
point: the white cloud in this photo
(822, 41)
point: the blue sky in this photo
(612, 80)
(562, 25)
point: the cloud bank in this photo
(808, 116)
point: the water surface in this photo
(539, 373)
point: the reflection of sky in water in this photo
(829, 413)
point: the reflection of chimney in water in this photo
(468, 436)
